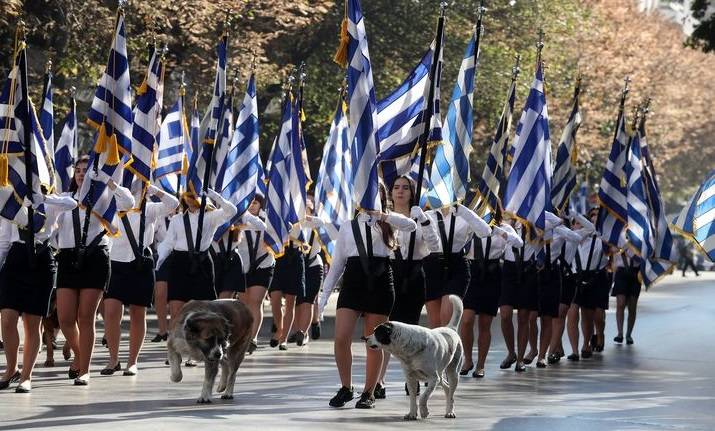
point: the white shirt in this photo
(530, 249)
(562, 235)
(65, 230)
(502, 236)
(426, 240)
(255, 232)
(176, 235)
(54, 206)
(310, 226)
(466, 223)
(4, 239)
(247, 221)
(121, 250)
(345, 246)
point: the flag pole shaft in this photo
(27, 130)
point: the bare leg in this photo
(632, 307)
(255, 296)
(287, 324)
(586, 328)
(277, 310)
(484, 340)
(67, 303)
(137, 331)
(113, 312)
(620, 311)
(373, 364)
(572, 325)
(522, 333)
(226, 294)
(11, 338)
(174, 309)
(31, 346)
(506, 313)
(545, 340)
(345, 321)
(445, 311)
(557, 330)
(466, 333)
(533, 335)
(434, 308)
(600, 325)
(86, 317)
(385, 362)
(161, 306)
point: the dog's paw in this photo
(176, 376)
(450, 415)
(221, 387)
(227, 396)
(203, 400)
(410, 416)
(424, 412)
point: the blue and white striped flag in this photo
(209, 124)
(638, 232)
(278, 196)
(147, 120)
(243, 161)
(174, 147)
(697, 219)
(528, 191)
(450, 177)
(299, 174)
(363, 113)
(17, 114)
(613, 214)
(218, 169)
(111, 115)
(47, 115)
(564, 179)
(333, 203)
(66, 152)
(494, 170)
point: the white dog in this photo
(431, 355)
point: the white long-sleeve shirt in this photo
(255, 232)
(4, 239)
(65, 231)
(426, 240)
(313, 259)
(530, 249)
(503, 236)
(54, 206)
(345, 246)
(121, 250)
(248, 221)
(176, 234)
(466, 223)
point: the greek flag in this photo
(564, 179)
(494, 171)
(278, 196)
(47, 115)
(243, 162)
(174, 147)
(66, 151)
(362, 112)
(612, 197)
(111, 115)
(638, 232)
(450, 168)
(209, 125)
(218, 169)
(697, 219)
(528, 191)
(333, 192)
(299, 174)
(17, 113)
(147, 120)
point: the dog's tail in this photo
(457, 309)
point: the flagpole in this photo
(27, 130)
(74, 153)
(515, 70)
(182, 96)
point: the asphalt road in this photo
(664, 381)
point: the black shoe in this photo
(72, 374)
(585, 354)
(292, 337)
(273, 342)
(573, 357)
(554, 358)
(465, 371)
(190, 363)
(159, 338)
(366, 401)
(2, 346)
(344, 395)
(283, 346)
(508, 362)
(315, 331)
(541, 363)
(6, 383)
(107, 371)
(629, 340)
(252, 346)
(299, 338)
(594, 341)
(274, 328)
(478, 374)
(527, 360)
(618, 339)
(104, 342)
(520, 367)
(379, 392)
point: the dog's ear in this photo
(383, 333)
(191, 324)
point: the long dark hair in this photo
(388, 234)
(73, 185)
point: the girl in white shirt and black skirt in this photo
(26, 285)
(362, 253)
(132, 280)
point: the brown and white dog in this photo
(216, 332)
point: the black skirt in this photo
(289, 275)
(484, 288)
(228, 271)
(162, 272)
(374, 294)
(410, 290)
(603, 289)
(549, 291)
(260, 277)
(626, 282)
(519, 288)
(313, 282)
(191, 277)
(93, 272)
(568, 287)
(27, 289)
(447, 274)
(132, 283)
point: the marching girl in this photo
(362, 252)
(26, 287)
(447, 268)
(482, 299)
(161, 275)
(83, 274)
(228, 268)
(258, 265)
(591, 279)
(132, 280)
(518, 291)
(191, 274)
(408, 275)
(626, 289)
(549, 279)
